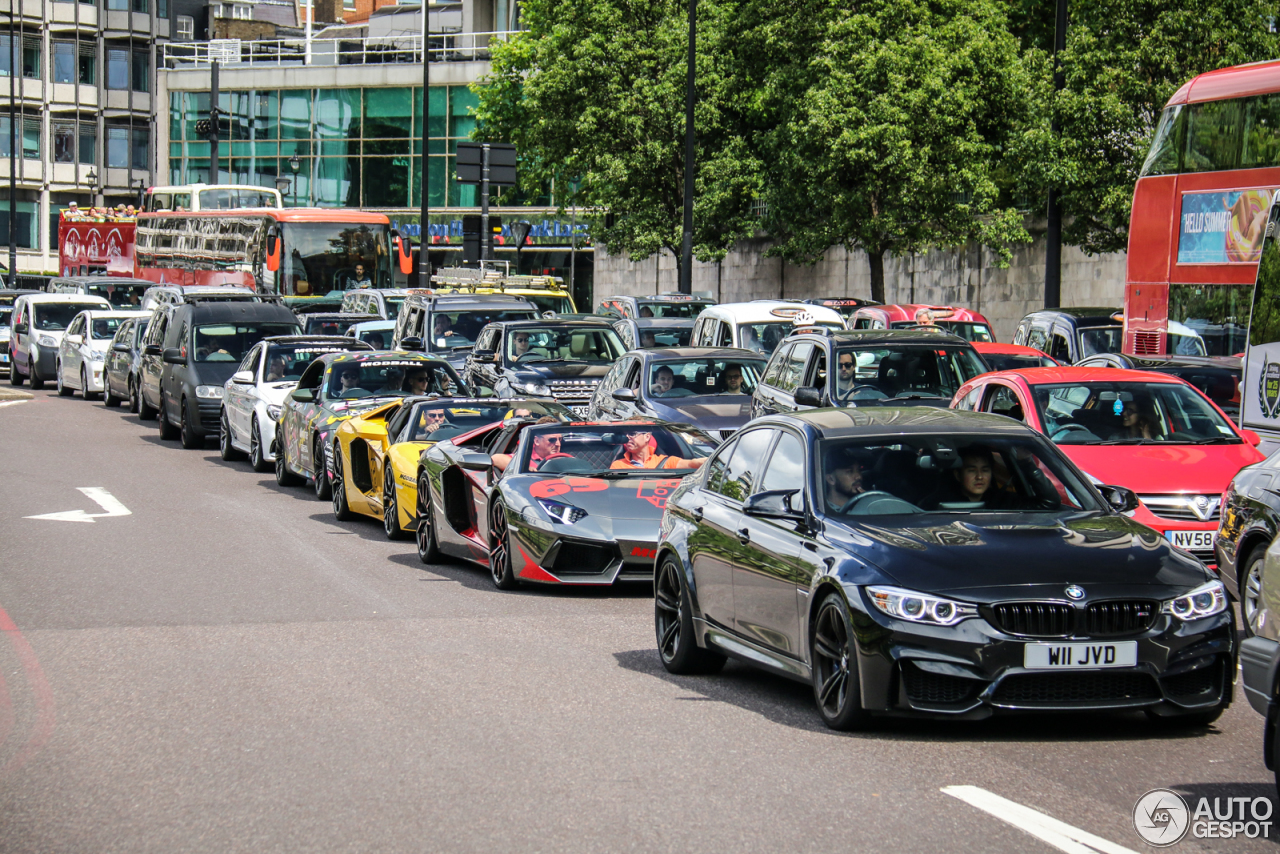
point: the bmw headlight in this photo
(536, 387)
(566, 514)
(919, 607)
(209, 392)
(1205, 601)
(273, 411)
(47, 341)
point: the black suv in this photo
(447, 325)
(562, 358)
(819, 366)
(203, 343)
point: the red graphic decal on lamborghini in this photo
(560, 486)
(656, 491)
(643, 552)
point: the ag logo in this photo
(1161, 817)
(1269, 389)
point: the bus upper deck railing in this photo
(372, 50)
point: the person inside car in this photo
(441, 328)
(976, 482)
(348, 380)
(645, 311)
(546, 446)
(639, 451)
(663, 379)
(275, 369)
(416, 381)
(430, 421)
(843, 477)
(647, 340)
(846, 379)
(360, 279)
(519, 344)
(750, 341)
(731, 380)
(1138, 422)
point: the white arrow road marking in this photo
(97, 495)
(12, 402)
(1059, 834)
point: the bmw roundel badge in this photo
(1075, 592)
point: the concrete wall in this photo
(967, 276)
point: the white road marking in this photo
(12, 402)
(1059, 834)
(108, 502)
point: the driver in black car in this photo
(519, 344)
(846, 379)
(843, 477)
(663, 379)
(349, 379)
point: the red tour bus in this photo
(1200, 210)
(86, 247)
(294, 252)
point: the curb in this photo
(14, 394)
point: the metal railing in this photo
(370, 50)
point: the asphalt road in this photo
(229, 669)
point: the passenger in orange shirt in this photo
(640, 452)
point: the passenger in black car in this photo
(843, 477)
(976, 482)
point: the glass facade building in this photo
(356, 148)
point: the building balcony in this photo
(375, 50)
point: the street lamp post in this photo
(92, 178)
(424, 238)
(1053, 212)
(294, 163)
(14, 158)
(686, 243)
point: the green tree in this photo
(595, 89)
(881, 125)
(1124, 59)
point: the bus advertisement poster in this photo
(1223, 227)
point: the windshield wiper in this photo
(1129, 441)
(1216, 440)
(618, 474)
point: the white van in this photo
(36, 328)
(759, 325)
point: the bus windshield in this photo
(320, 258)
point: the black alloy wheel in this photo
(501, 569)
(257, 459)
(167, 430)
(1251, 590)
(227, 450)
(321, 467)
(673, 625)
(428, 545)
(284, 477)
(134, 397)
(64, 390)
(145, 410)
(341, 509)
(390, 507)
(84, 385)
(37, 382)
(190, 440)
(108, 397)
(835, 666)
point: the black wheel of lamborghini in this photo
(341, 509)
(835, 666)
(390, 508)
(673, 623)
(284, 477)
(257, 459)
(321, 466)
(501, 567)
(228, 451)
(428, 545)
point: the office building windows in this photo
(118, 147)
(64, 142)
(64, 62)
(141, 71)
(88, 143)
(141, 147)
(88, 63)
(117, 69)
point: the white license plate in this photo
(580, 411)
(1191, 539)
(1079, 656)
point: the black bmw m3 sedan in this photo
(933, 562)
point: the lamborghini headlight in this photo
(566, 514)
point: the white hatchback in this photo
(758, 325)
(83, 351)
(252, 398)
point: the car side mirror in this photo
(1251, 437)
(173, 356)
(152, 350)
(1121, 499)
(242, 377)
(21, 328)
(485, 355)
(75, 339)
(485, 392)
(122, 347)
(808, 395)
(412, 344)
(303, 395)
(476, 462)
(624, 395)
(772, 504)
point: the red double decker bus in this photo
(1200, 211)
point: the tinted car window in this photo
(1129, 413)
(228, 342)
(883, 373)
(56, 316)
(786, 466)
(745, 465)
